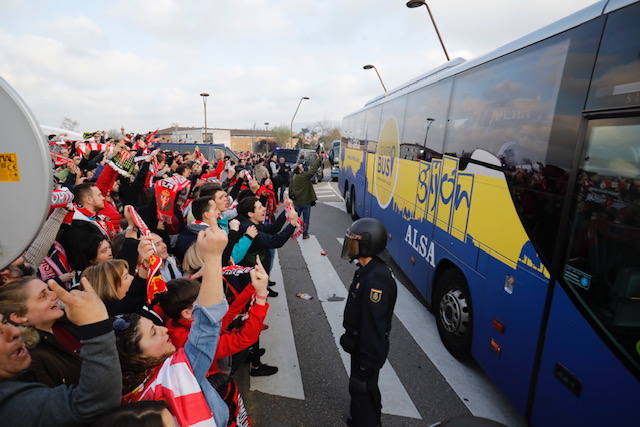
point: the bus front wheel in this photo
(452, 308)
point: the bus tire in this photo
(347, 197)
(352, 203)
(453, 312)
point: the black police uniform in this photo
(367, 321)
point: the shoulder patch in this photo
(375, 295)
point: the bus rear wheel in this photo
(352, 203)
(347, 198)
(452, 308)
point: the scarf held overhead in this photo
(168, 191)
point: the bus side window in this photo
(603, 263)
(409, 151)
(616, 78)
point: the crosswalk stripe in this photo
(395, 399)
(337, 193)
(280, 345)
(337, 205)
(474, 389)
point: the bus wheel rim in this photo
(454, 312)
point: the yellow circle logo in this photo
(386, 165)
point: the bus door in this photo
(589, 371)
(591, 354)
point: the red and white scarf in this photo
(271, 204)
(288, 210)
(167, 191)
(49, 268)
(175, 383)
(87, 147)
(102, 222)
(155, 282)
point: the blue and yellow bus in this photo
(510, 187)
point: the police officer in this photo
(367, 318)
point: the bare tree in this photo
(69, 124)
(282, 135)
(326, 132)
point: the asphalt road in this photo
(420, 383)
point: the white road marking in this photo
(337, 205)
(395, 399)
(337, 193)
(475, 390)
(280, 344)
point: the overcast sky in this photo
(142, 64)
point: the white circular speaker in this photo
(25, 176)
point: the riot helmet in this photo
(366, 237)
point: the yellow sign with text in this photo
(9, 171)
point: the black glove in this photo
(348, 343)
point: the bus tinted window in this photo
(373, 123)
(616, 79)
(392, 118)
(604, 256)
(426, 116)
(358, 127)
(506, 107)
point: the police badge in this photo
(375, 295)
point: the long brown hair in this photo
(106, 277)
(135, 368)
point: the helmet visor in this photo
(350, 246)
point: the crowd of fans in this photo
(146, 288)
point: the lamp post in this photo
(429, 123)
(417, 3)
(204, 96)
(294, 116)
(266, 136)
(368, 67)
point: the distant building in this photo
(235, 139)
(245, 139)
(195, 135)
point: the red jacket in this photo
(105, 183)
(216, 172)
(231, 342)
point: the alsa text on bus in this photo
(421, 244)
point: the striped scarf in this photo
(174, 382)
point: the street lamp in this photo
(429, 123)
(294, 116)
(204, 96)
(266, 135)
(368, 67)
(417, 3)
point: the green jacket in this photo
(300, 185)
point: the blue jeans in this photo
(305, 212)
(280, 190)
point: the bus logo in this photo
(386, 163)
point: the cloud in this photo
(142, 64)
(75, 25)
